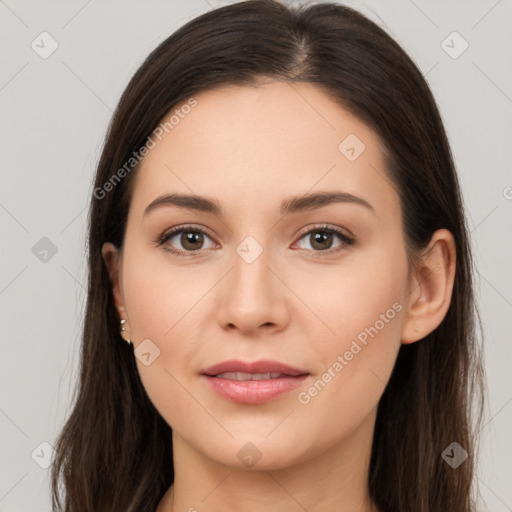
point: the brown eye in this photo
(184, 240)
(321, 239)
(191, 240)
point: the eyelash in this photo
(162, 239)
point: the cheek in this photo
(160, 311)
(362, 315)
(158, 297)
(366, 292)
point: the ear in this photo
(112, 258)
(431, 288)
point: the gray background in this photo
(54, 115)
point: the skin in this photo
(249, 148)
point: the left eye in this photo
(321, 239)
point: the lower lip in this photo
(254, 391)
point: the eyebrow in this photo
(290, 205)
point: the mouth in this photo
(253, 383)
(262, 369)
(250, 376)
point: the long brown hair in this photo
(115, 450)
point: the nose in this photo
(253, 298)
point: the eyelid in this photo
(327, 227)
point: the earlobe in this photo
(431, 288)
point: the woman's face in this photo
(263, 282)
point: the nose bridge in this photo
(250, 276)
(252, 293)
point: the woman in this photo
(280, 312)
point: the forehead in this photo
(254, 145)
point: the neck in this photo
(337, 479)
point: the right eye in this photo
(190, 238)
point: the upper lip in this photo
(261, 366)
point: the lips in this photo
(253, 383)
(250, 376)
(256, 368)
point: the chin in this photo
(253, 452)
